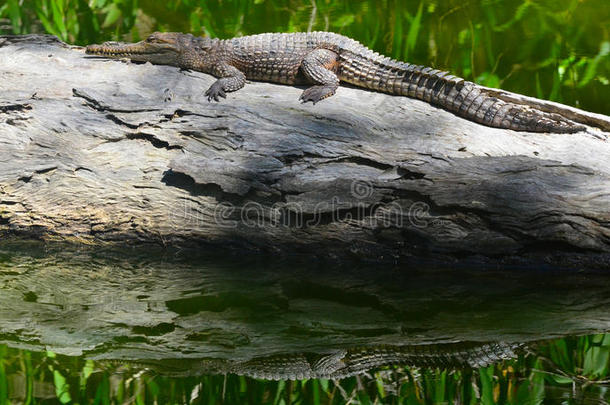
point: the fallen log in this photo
(98, 151)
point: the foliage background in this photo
(552, 49)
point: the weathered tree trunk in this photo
(102, 151)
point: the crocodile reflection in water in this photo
(340, 364)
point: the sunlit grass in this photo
(557, 50)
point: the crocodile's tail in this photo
(474, 102)
(365, 68)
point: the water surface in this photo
(88, 321)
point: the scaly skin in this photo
(325, 59)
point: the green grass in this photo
(557, 50)
(570, 370)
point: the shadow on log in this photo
(98, 151)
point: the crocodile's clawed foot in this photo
(215, 91)
(317, 93)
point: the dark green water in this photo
(133, 326)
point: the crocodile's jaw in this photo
(161, 54)
(160, 48)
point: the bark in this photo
(98, 151)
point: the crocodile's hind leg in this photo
(319, 67)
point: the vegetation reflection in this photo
(570, 369)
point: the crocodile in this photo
(323, 60)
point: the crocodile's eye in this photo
(154, 39)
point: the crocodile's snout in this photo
(112, 49)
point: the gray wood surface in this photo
(97, 151)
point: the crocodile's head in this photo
(160, 48)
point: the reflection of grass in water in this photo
(574, 368)
(555, 50)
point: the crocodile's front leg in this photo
(320, 67)
(230, 79)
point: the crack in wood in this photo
(154, 141)
(98, 105)
(7, 108)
